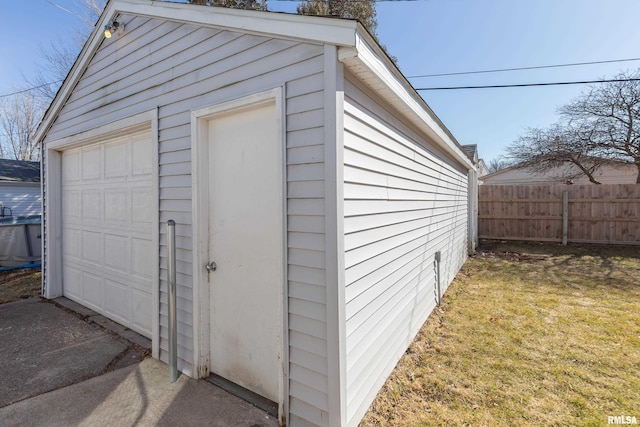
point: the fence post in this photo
(173, 321)
(565, 216)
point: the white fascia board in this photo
(318, 30)
(367, 53)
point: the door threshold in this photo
(255, 399)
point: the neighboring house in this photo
(612, 173)
(292, 153)
(20, 188)
(472, 153)
(483, 170)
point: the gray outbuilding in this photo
(290, 151)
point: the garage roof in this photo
(358, 51)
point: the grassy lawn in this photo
(528, 334)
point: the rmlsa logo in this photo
(622, 419)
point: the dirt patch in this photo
(20, 284)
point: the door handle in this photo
(212, 266)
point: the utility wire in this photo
(376, 1)
(68, 11)
(439, 88)
(28, 89)
(500, 70)
(529, 84)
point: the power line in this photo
(375, 1)
(29, 89)
(68, 11)
(500, 70)
(529, 84)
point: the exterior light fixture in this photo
(113, 27)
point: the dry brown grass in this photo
(19, 284)
(528, 334)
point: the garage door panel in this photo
(107, 211)
(141, 310)
(116, 252)
(140, 262)
(117, 299)
(72, 247)
(71, 171)
(140, 152)
(91, 206)
(116, 160)
(72, 282)
(92, 289)
(71, 200)
(91, 163)
(142, 205)
(92, 248)
(116, 206)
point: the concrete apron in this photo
(60, 367)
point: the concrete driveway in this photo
(63, 365)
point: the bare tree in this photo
(19, 118)
(236, 4)
(601, 126)
(362, 10)
(610, 114)
(498, 164)
(557, 148)
(21, 113)
(57, 59)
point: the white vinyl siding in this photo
(308, 389)
(403, 202)
(22, 199)
(180, 68)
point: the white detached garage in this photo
(291, 153)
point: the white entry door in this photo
(246, 243)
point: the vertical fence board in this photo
(607, 213)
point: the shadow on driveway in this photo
(62, 367)
(45, 347)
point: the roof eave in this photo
(357, 50)
(370, 63)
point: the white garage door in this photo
(106, 237)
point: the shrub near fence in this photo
(589, 213)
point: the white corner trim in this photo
(334, 236)
(403, 94)
(155, 234)
(52, 241)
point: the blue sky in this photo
(434, 36)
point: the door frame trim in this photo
(200, 220)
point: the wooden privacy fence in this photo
(560, 213)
